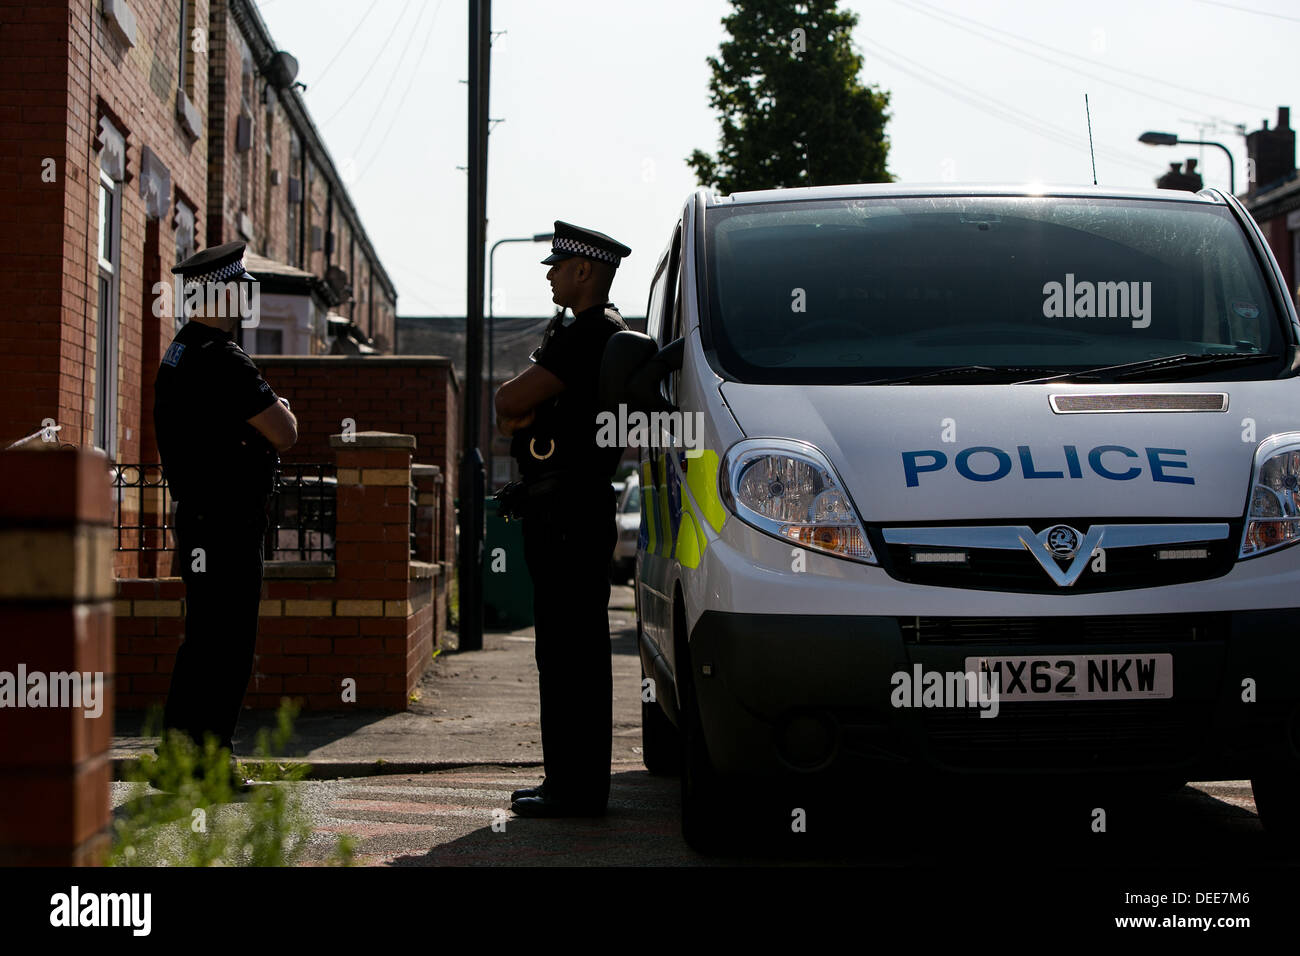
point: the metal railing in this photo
(144, 486)
(301, 511)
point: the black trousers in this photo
(223, 590)
(568, 544)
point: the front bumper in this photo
(810, 694)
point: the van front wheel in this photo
(704, 824)
(660, 747)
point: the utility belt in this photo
(520, 497)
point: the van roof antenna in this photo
(1091, 151)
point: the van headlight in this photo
(788, 489)
(1273, 520)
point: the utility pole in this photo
(471, 462)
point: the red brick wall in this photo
(412, 395)
(372, 621)
(55, 617)
(60, 66)
(34, 81)
(309, 639)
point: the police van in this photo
(1037, 445)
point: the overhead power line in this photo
(993, 107)
(397, 68)
(344, 45)
(944, 18)
(370, 69)
(379, 149)
(1079, 56)
(1258, 13)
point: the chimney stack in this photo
(1189, 180)
(1272, 153)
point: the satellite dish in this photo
(282, 70)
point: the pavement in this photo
(432, 785)
(475, 708)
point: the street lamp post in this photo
(491, 417)
(1172, 139)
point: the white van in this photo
(1038, 445)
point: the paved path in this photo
(474, 707)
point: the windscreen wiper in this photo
(956, 372)
(1181, 360)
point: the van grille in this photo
(996, 569)
(1054, 631)
(1040, 735)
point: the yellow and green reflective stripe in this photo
(702, 485)
(702, 478)
(661, 494)
(649, 507)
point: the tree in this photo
(792, 110)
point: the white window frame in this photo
(107, 315)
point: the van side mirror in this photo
(632, 368)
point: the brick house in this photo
(272, 184)
(1273, 197)
(104, 157)
(135, 132)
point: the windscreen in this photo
(856, 290)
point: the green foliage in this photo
(792, 110)
(195, 819)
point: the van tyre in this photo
(660, 744)
(1277, 799)
(705, 825)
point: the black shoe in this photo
(545, 806)
(537, 791)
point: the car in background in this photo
(628, 516)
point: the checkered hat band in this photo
(583, 249)
(221, 275)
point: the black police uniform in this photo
(220, 471)
(569, 533)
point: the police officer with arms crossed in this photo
(219, 427)
(567, 506)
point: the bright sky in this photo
(601, 101)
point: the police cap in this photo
(571, 240)
(223, 263)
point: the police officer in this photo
(219, 428)
(569, 531)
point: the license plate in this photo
(1080, 676)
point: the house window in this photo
(184, 224)
(185, 59)
(245, 133)
(308, 212)
(112, 156)
(295, 198)
(268, 182)
(269, 342)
